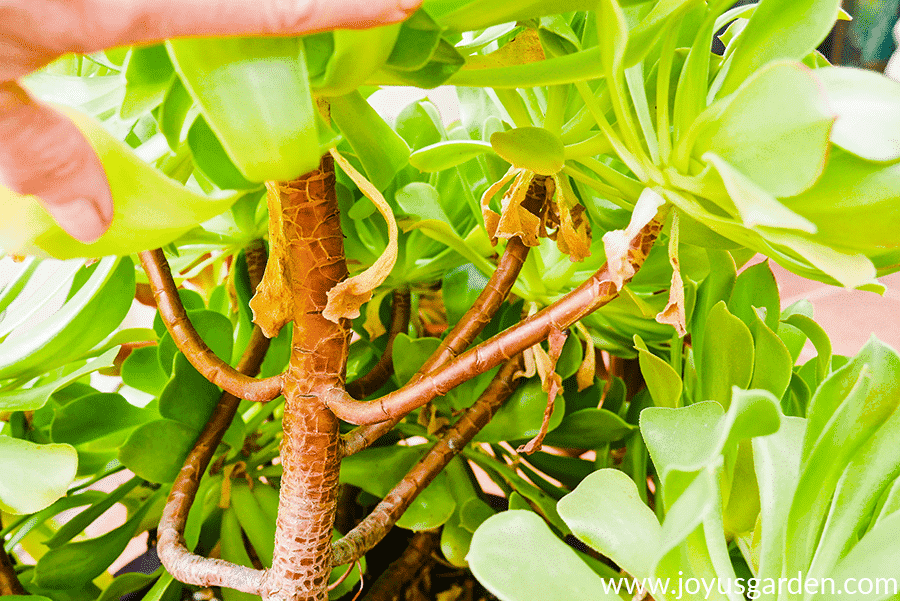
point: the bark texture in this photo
(310, 450)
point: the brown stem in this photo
(373, 528)
(406, 568)
(597, 291)
(189, 342)
(460, 337)
(365, 385)
(173, 552)
(310, 452)
(9, 582)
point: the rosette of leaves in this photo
(743, 493)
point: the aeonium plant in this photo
(585, 136)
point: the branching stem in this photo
(9, 582)
(597, 291)
(373, 528)
(460, 337)
(189, 342)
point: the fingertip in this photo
(43, 154)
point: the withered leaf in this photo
(574, 235)
(273, 303)
(551, 383)
(588, 368)
(617, 243)
(346, 298)
(674, 314)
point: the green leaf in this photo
(444, 155)
(28, 399)
(100, 420)
(867, 106)
(212, 160)
(75, 564)
(130, 582)
(522, 414)
(772, 362)
(606, 513)
(756, 287)
(663, 381)
(81, 521)
(818, 337)
(872, 561)
(84, 320)
(568, 470)
(461, 286)
(588, 429)
(410, 353)
(151, 210)
(420, 200)
(142, 370)
(268, 129)
(532, 148)
(188, 397)
(379, 149)
(580, 66)
(776, 461)
(726, 356)
(148, 76)
(530, 557)
(479, 14)
(778, 29)
(790, 101)
(357, 54)
(378, 470)
(33, 476)
(418, 39)
(156, 451)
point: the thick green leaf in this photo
(818, 337)
(776, 460)
(872, 562)
(532, 148)
(269, 129)
(142, 370)
(588, 429)
(521, 416)
(778, 29)
(867, 106)
(568, 470)
(461, 287)
(606, 512)
(479, 14)
(409, 355)
(75, 564)
(726, 355)
(81, 521)
(33, 476)
(129, 582)
(789, 100)
(663, 381)
(212, 160)
(756, 287)
(378, 148)
(772, 362)
(529, 560)
(85, 320)
(100, 419)
(156, 451)
(357, 54)
(418, 39)
(151, 210)
(444, 155)
(148, 76)
(28, 399)
(378, 470)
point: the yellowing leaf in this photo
(674, 314)
(574, 235)
(588, 368)
(273, 303)
(346, 298)
(551, 382)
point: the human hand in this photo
(42, 153)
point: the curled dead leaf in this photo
(273, 303)
(617, 243)
(674, 313)
(551, 383)
(574, 234)
(346, 298)
(588, 368)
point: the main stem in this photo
(310, 451)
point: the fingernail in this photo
(81, 218)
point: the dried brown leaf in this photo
(273, 303)
(346, 298)
(551, 383)
(617, 243)
(574, 235)
(674, 313)
(588, 368)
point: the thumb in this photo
(44, 154)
